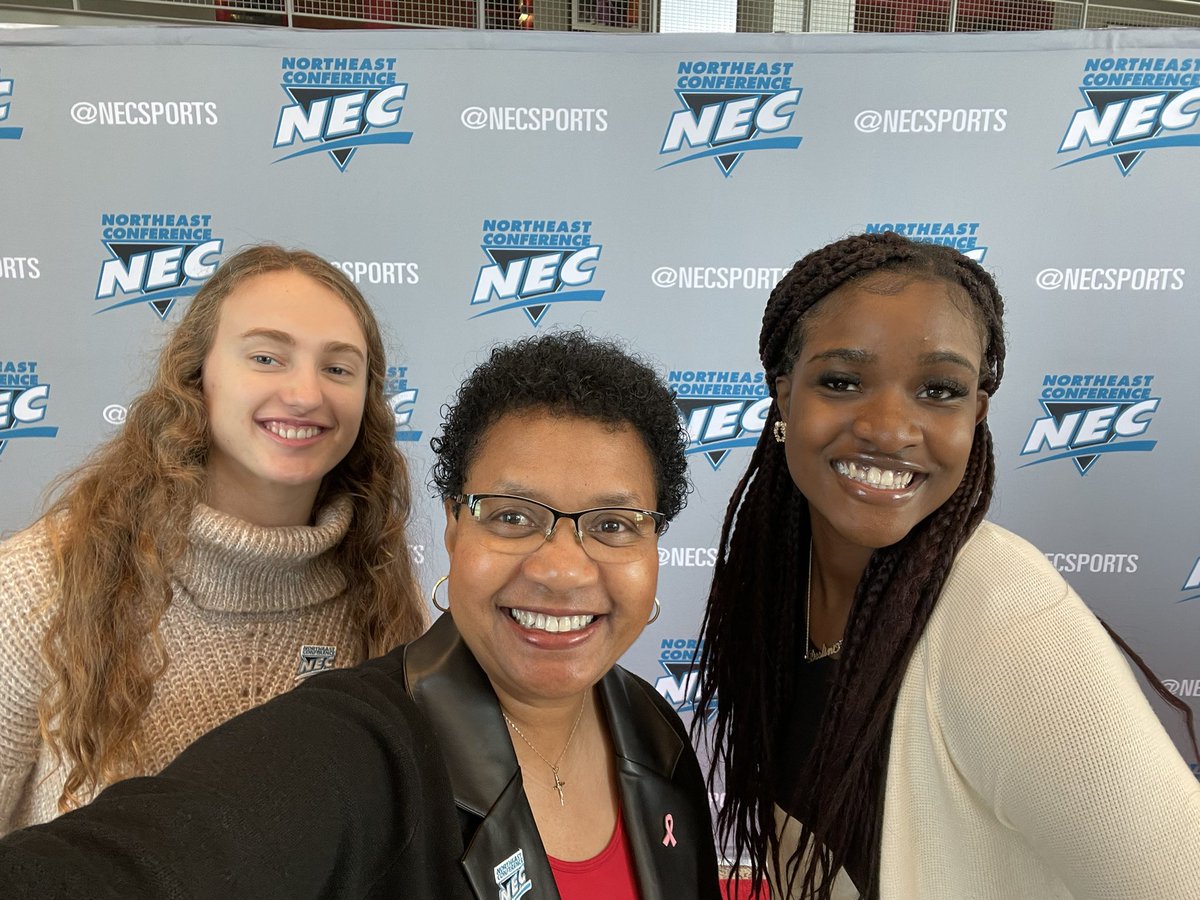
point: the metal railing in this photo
(625, 16)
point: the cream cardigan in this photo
(1025, 762)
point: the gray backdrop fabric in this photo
(483, 187)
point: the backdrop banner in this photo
(480, 187)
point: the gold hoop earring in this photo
(433, 594)
(780, 431)
(657, 610)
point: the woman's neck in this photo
(568, 766)
(551, 721)
(836, 572)
(268, 506)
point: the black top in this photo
(795, 736)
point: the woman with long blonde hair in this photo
(244, 529)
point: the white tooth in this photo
(905, 478)
(873, 476)
(551, 624)
(887, 478)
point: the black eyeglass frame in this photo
(471, 502)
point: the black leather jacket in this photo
(393, 779)
(657, 771)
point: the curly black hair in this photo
(567, 373)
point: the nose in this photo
(301, 390)
(887, 421)
(561, 563)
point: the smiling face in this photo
(284, 385)
(881, 408)
(569, 463)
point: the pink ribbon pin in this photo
(669, 839)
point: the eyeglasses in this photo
(518, 525)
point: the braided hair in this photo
(749, 656)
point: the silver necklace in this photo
(559, 784)
(811, 654)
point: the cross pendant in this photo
(559, 784)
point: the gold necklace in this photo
(811, 654)
(559, 784)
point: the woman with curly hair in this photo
(245, 527)
(910, 702)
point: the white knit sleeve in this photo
(1045, 721)
(24, 590)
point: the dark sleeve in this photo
(689, 780)
(320, 792)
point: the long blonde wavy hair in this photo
(120, 525)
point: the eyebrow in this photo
(862, 357)
(619, 498)
(947, 356)
(282, 337)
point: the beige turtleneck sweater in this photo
(246, 600)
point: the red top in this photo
(608, 874)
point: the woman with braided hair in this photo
(910, 702)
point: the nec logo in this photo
(340, 104)
(729, 120)
(314, 117)
(730, 108)
(521, 276)
(1083, 423)
(153, 272)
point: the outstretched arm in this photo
(321, 792)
